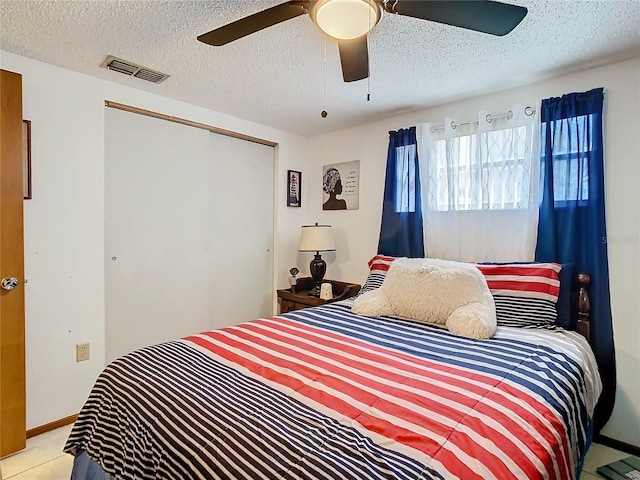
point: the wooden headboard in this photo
(582, 306)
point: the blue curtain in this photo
(401, 229)
(571, 228)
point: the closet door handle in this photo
(9, 283)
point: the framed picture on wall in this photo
(294, 188)
(341, 186)
(26, 159)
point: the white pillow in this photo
(453, 294)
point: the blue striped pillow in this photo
(525, 294)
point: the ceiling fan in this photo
(349, 21)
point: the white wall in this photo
(64, 222)
(358, 230)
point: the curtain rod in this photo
(528, 111)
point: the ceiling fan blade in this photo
(253, 23)
(484, 16)
(354, 56)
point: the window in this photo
(481, 171)
(571, 152)
(405, 193)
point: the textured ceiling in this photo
(279, 76)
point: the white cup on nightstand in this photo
(326, 291)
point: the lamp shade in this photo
(316, 238)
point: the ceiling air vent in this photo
(128, 68)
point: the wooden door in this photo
(12, 336)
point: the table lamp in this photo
(316, 238)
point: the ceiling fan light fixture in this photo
(346, 19)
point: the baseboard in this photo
(51, 426)
(618, 445)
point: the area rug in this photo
(625, 469)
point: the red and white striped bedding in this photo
(322, 393)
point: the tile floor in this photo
(43, 459)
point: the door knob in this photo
(9, 283)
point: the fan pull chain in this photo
(368, 78)
(369, 63)
(324, 113)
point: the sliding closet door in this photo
(241, 230)
(167, 215)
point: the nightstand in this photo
(290, 301)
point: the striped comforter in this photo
(322, 394)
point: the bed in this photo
(323, 393)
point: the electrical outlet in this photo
(82, 352)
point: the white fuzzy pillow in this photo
(430, 290)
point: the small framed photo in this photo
(294, 188)
(26, 159)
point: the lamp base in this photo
(317, 267)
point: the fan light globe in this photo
(346, 19)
